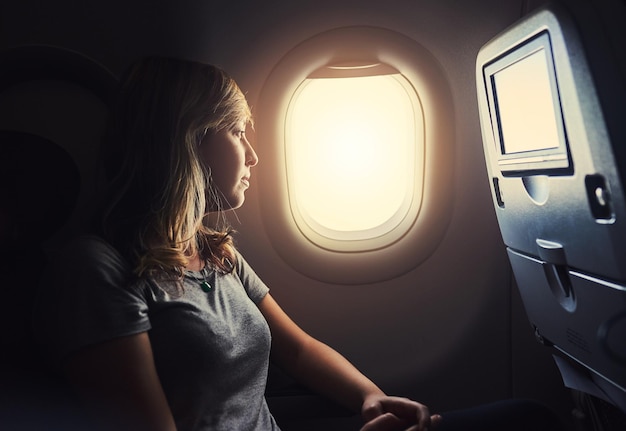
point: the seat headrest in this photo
(43, 62)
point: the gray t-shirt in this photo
(211, 349)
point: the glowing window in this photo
(354, 147)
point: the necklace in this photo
(204, 284)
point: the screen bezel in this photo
(548, 161)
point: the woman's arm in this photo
(118, 384)
(325, 371)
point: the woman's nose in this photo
(251, 157)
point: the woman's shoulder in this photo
(254, 286)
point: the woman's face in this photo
(230, 157)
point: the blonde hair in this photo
(159, 191)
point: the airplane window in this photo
(353, 147)
(356, 174)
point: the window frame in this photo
(417, 64)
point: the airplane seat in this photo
(297, 408)
(40, 184)
(550, 95)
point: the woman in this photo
(158, 322)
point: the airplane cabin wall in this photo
(447, 320)
(450, 332)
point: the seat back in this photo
(41, 183)
(553, 142)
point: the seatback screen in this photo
(525, 105)
(525, 110)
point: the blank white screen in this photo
(528, 120)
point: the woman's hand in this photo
(383, 413)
